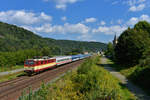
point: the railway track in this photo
(12, 81)
(12, 89)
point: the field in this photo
(87, 82)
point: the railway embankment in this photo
(88, 81)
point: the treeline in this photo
(9, 59)
(132, 53)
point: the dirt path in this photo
(134, 89)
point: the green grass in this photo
(3, 69)
(127, 95)
(125, 71)
(138, 75)
(11, 76)
(88, 82)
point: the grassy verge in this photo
(3, 69)
(10, 76)
(138, 75)
(88, 82)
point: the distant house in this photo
(86, 53)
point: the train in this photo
(40, 64)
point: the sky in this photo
(83, 20)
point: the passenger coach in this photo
(63, 60)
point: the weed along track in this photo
(11, 90)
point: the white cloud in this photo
(141, 1)
(45, 17)
(85, 37)
(116, 29)
(61, 29)
(137, 8)
(62, 4)
(23, 17)
(64, 18)
(135, 20)
(76, 28)
(102, 23)
(136, 5)
(90, 20)
(135, 2)
(131, 2)
(145, 17)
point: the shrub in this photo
(140, 76)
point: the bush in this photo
(140, 76)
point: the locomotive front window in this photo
(26, 62)
(29, 62)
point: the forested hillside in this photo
(13, 38)
(18, 44)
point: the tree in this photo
(143, 25)
(131, 45)
(3, 61)
(110, 50)
(46, 51)
(75, 52)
